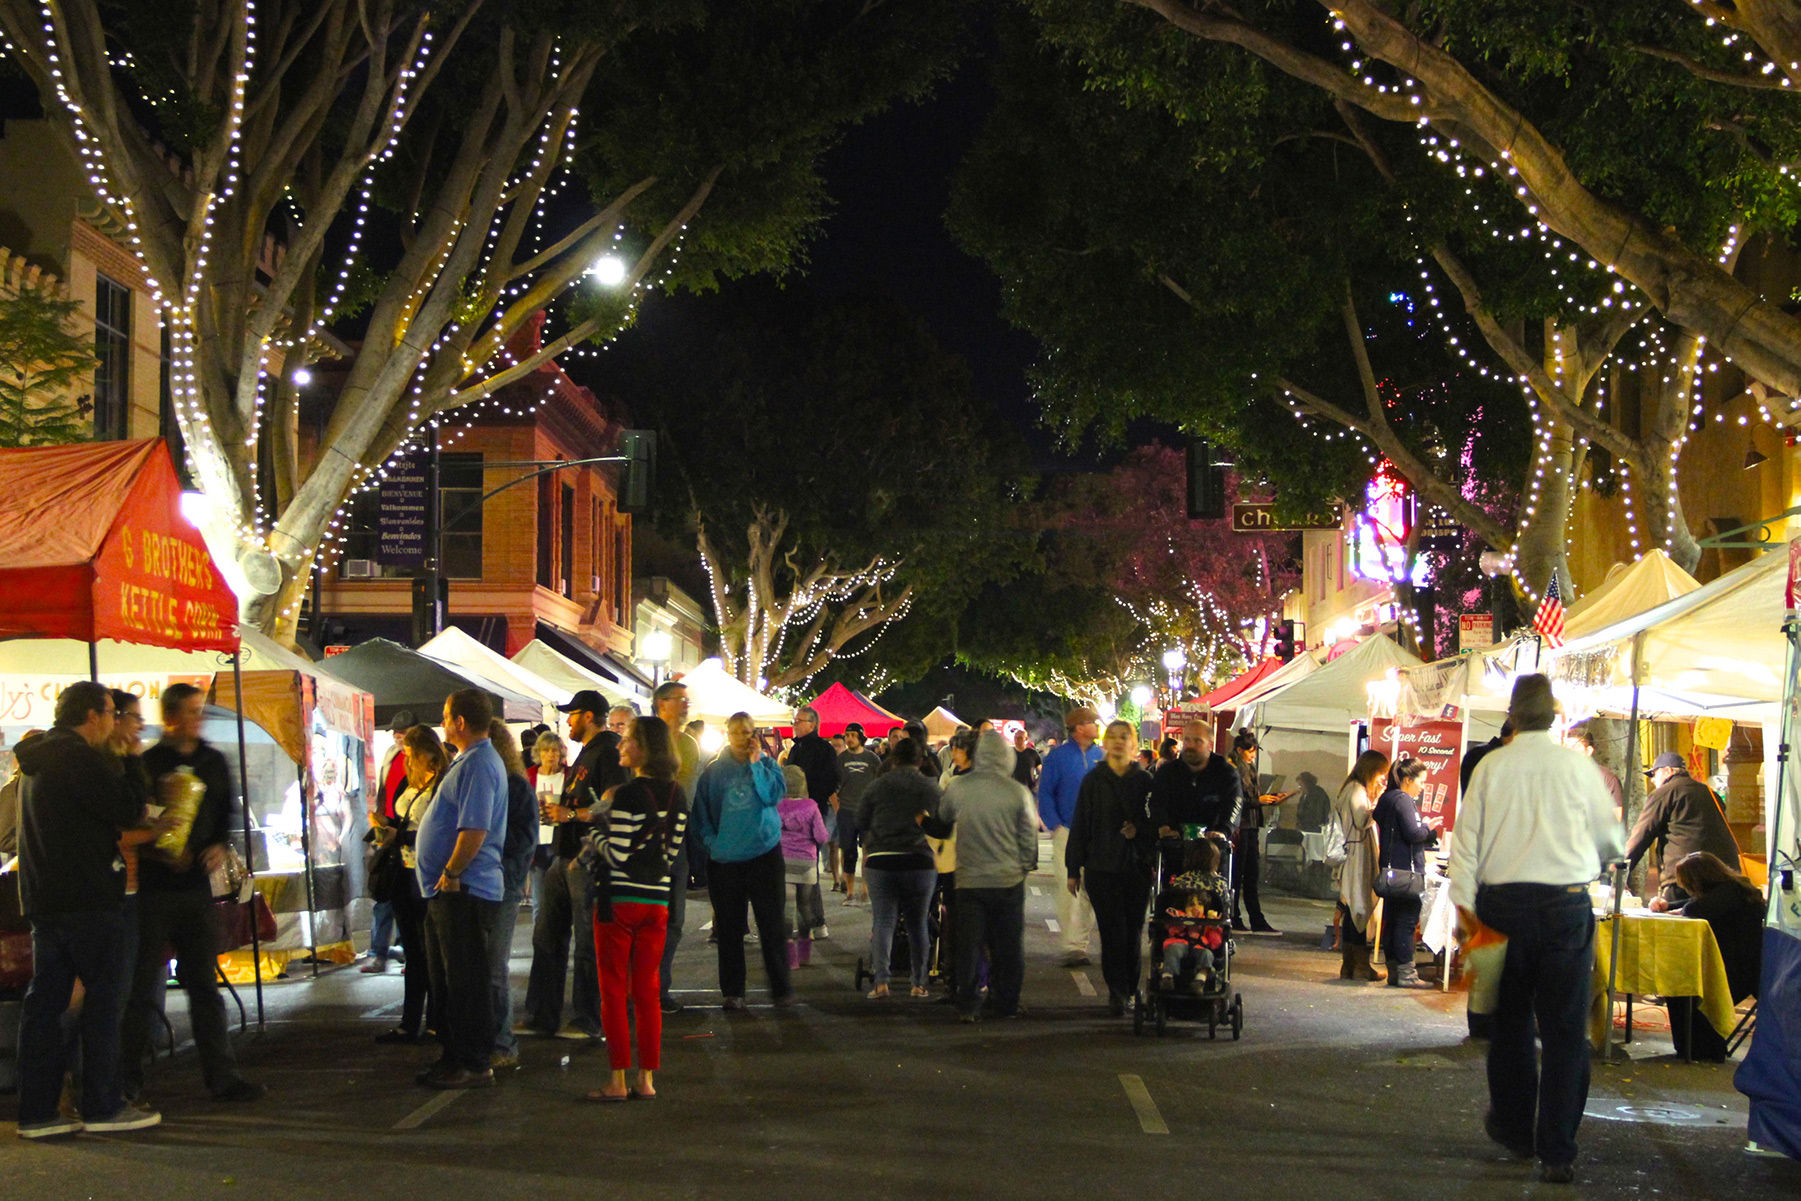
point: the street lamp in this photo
(610, 270)
(656, 649)
(1141, 696)
(1174, 660)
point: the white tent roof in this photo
(1627, 592)
(1477, 680)
(1295, 669)
(942, 723)
(557, 669)
(68, 657)
(714, 694)
(1716, 648)
(461, 650)
(1331, 696)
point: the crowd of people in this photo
(123, 846)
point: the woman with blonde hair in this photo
(1354, 811)
(515, 864)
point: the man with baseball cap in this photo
(1058, 783)
(566, 912)
(1680, 817)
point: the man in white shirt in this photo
(1534, 829)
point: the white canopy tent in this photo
(559, 670)
(1628, 591)
(457, 648)
(714, 694)
(1289, 673)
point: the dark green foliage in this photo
(43, 361)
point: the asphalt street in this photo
(1334, 1090)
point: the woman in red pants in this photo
(637, 840)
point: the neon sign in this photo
(1379, 538)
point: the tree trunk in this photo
(1662, 522)
(1540, 551)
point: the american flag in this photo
(1548, 621)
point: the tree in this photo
(1124, 574)
(42, 362)
(834, 470)
(402, 159)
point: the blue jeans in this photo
(1550, 933)
(381, 930)
(889, 890)
(500, 973)
(89, 946)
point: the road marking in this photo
(1149, 1120)
(1037, 891)
(436, 1105)
(1050, 923)
(1084, 985)
(380, 1011)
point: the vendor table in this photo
(1662, 955)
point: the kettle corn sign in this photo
(167, 589)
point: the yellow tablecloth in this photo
(1661, 956)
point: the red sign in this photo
(1183, 712)
(1439, 744)
(335, 650)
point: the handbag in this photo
(1397, 882)
(387, 871)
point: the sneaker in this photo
(670, 1006)
(734, 1003)
(575, 1033)
(240, 1090)
(129, 1117)
(374, 967)
(821, 934)
(1265, 928)
(50, 1127)
(462, 1078)
(503, 1061)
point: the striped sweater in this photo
(633, 821)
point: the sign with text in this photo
(1183, 712)
(1439, 745)
(1261, 519)
(1475, 631)
(30, 700)
(405, 517)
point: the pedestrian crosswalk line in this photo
(427, 1111)
(1050, 923)
(1149, 1120)
(1084, 985)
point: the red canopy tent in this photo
(838, 706)
(93, 545)
(1221, 697)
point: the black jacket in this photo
(522, 835)
(1107, 802)
(596, 769)
(1401, 834)
(1212, 797)
(887, 813)
(815, 756)
(1680, 818)
(73, 802)
(1737, 922)
(213, 824)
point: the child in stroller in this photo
(1194, 909)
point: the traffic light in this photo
(638, 474)
(1286, 643)
(1206, 481)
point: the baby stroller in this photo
(1209, 997)
(900, 955)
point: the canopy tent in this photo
(1296, 669)
(1224, 696)
(457, 649)
(714, 694)
(623, 678)
(838, 706)
(548, 664)
(399, 678)
(1628, 591)
(942, 723)
(1481, 681)
(93, 545)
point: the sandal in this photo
(878, 993)
(602, 1097)
(922, 992)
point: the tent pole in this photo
(256, 942)
(94, 662)
(1784, 751)
(1619, 880)
(306, 856)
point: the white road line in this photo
(1050, 923)
(1037, 891)
(1084, 985)
(380, 1011)
(1149, 1120)
(437, 1105)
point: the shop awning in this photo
(838, 706)
(942, 723)
(399, 678)
(1327, 699)
(1225, 695)
(93, 545)
(542, 660)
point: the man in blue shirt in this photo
(1058, 783)
(735, 812)
(458, 856)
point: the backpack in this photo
(1336, 851)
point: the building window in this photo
(459, 506)
(597, 565)
(547, 531)
(112, 347)
(622, 574)
(567, 548)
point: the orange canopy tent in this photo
(93, 545)
(838, 706)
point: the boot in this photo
(1361, 968)
(1403, 975)
(803, 948)
(793, 954)
(1347, 965)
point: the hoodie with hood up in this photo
(73, 802)
(994, 819)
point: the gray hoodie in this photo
(994, 819)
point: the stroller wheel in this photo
(1237, 1015)
(1160, 1011)
(1138, 1013)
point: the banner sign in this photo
(1475, 631)
(31, 700)
(1439, 745)
(1261, 519)
(405, 511)
(1183, 712)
